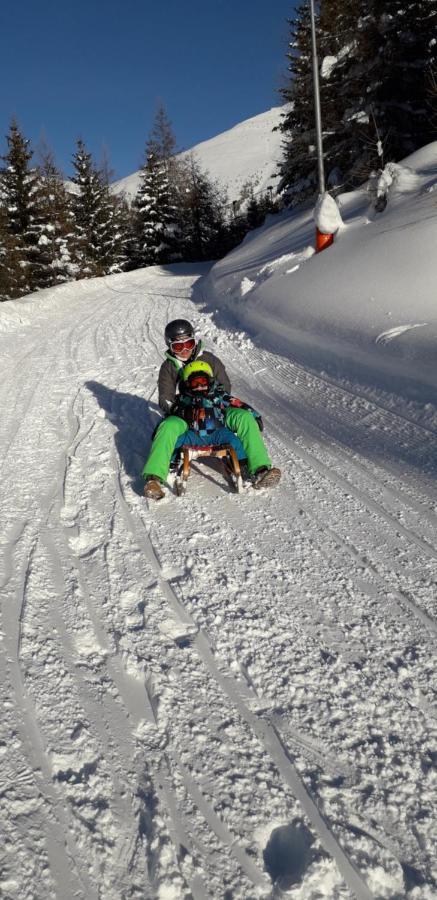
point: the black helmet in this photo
(176, 329)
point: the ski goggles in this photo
(186, 344)
(198, 382)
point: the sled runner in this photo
(225, 452)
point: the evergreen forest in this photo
(378, 84)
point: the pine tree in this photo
(125, 217)
(13, 283)
(298, 170)
(155, 213)
(255, 214)
(56, 222)
(162, 142)
(345, 37)
(18, 182)
(98, 237)
(86, 205)
(201, 214)
(377, 59)
(379, 80)
(259, 206)
(19, 189)
(406, 54)
(122, 234)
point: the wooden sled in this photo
(224, 452)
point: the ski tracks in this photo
(388, 573)
(187, 685)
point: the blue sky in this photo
(97, 70)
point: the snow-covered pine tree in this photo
(345, 44)
(376, 59)
(155, 215)
(337, 24)
(379, 77)
(123, 235)
(112, 234)
(20, 192)
(154, 208)
(56, 222)
(98, 245)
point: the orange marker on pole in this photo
(323, 240)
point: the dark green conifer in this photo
(56, 224)
(19, 188)
(376, 62)
(98, 238)
(154, 208)
(202, 222)
(155, 215)
(13, 283)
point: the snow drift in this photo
(366, 305)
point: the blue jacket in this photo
(205, 412)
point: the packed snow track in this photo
(216, 696)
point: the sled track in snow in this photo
(307, 452)
(137, 789)
(330, 416)
(263, 728)
(346, 485)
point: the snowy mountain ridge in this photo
(250, 151)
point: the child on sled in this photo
(205, 413)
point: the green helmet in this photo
(198, 365)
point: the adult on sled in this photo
(194, 393)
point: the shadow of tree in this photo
(134, 419)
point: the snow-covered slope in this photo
(248, 152)
(226, 696)
(365, 306)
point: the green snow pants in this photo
(241, 421)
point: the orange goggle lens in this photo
(179, 346)
(198, 382)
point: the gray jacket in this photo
(169, 375)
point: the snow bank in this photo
(367, 305)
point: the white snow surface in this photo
(221, 696)
(250, 151)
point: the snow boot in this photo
(153, 489)
(265, 477)
(244, 469)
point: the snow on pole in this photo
(328, 219)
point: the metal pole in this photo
(318, 115)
